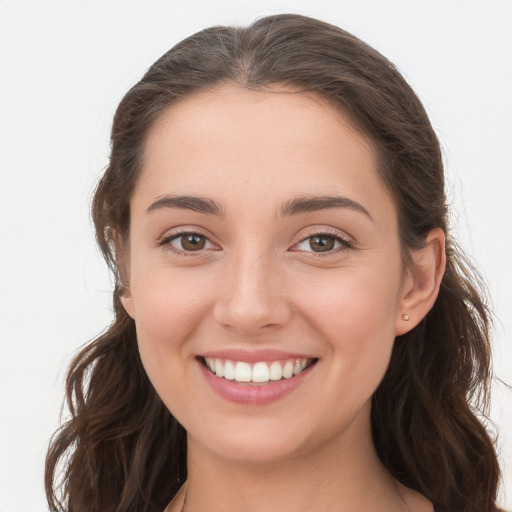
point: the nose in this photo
(251, 297)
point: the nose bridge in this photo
(251, 296)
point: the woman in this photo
(294, 327)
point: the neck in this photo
(346, 470)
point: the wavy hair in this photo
(123, 451)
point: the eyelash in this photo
(166, 243)
(344, 243)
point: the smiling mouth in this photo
(256, 373)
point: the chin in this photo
(259, 443)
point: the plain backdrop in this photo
(65, 65)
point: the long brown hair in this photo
(122, 450)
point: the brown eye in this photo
(188, 242)
(192, 242)
(322, 243)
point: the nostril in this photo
(251, 320)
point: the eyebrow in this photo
(196, 204)
(314, 204)
(293, 207)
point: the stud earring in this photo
(405, 317)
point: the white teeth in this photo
(288, 370)
(219, 368)
(229, 370)
(259, 373)
(242, 372)
(276, 371)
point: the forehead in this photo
(253, 117)
(231, 143)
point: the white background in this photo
(65, 65)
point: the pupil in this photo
(322, 243)
(193, 242)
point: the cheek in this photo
(355, 317)
(168, 307)
(166, 300)
(354, 305)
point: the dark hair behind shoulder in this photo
(123, 451)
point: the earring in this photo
(405, 317)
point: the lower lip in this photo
(256, 394)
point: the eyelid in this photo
(165, 240)
(345, 241)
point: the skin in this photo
(258, 283)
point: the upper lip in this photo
(254, 356)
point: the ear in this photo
(123, 267)
(422, 283)
(127, 301)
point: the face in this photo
(263, 244)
